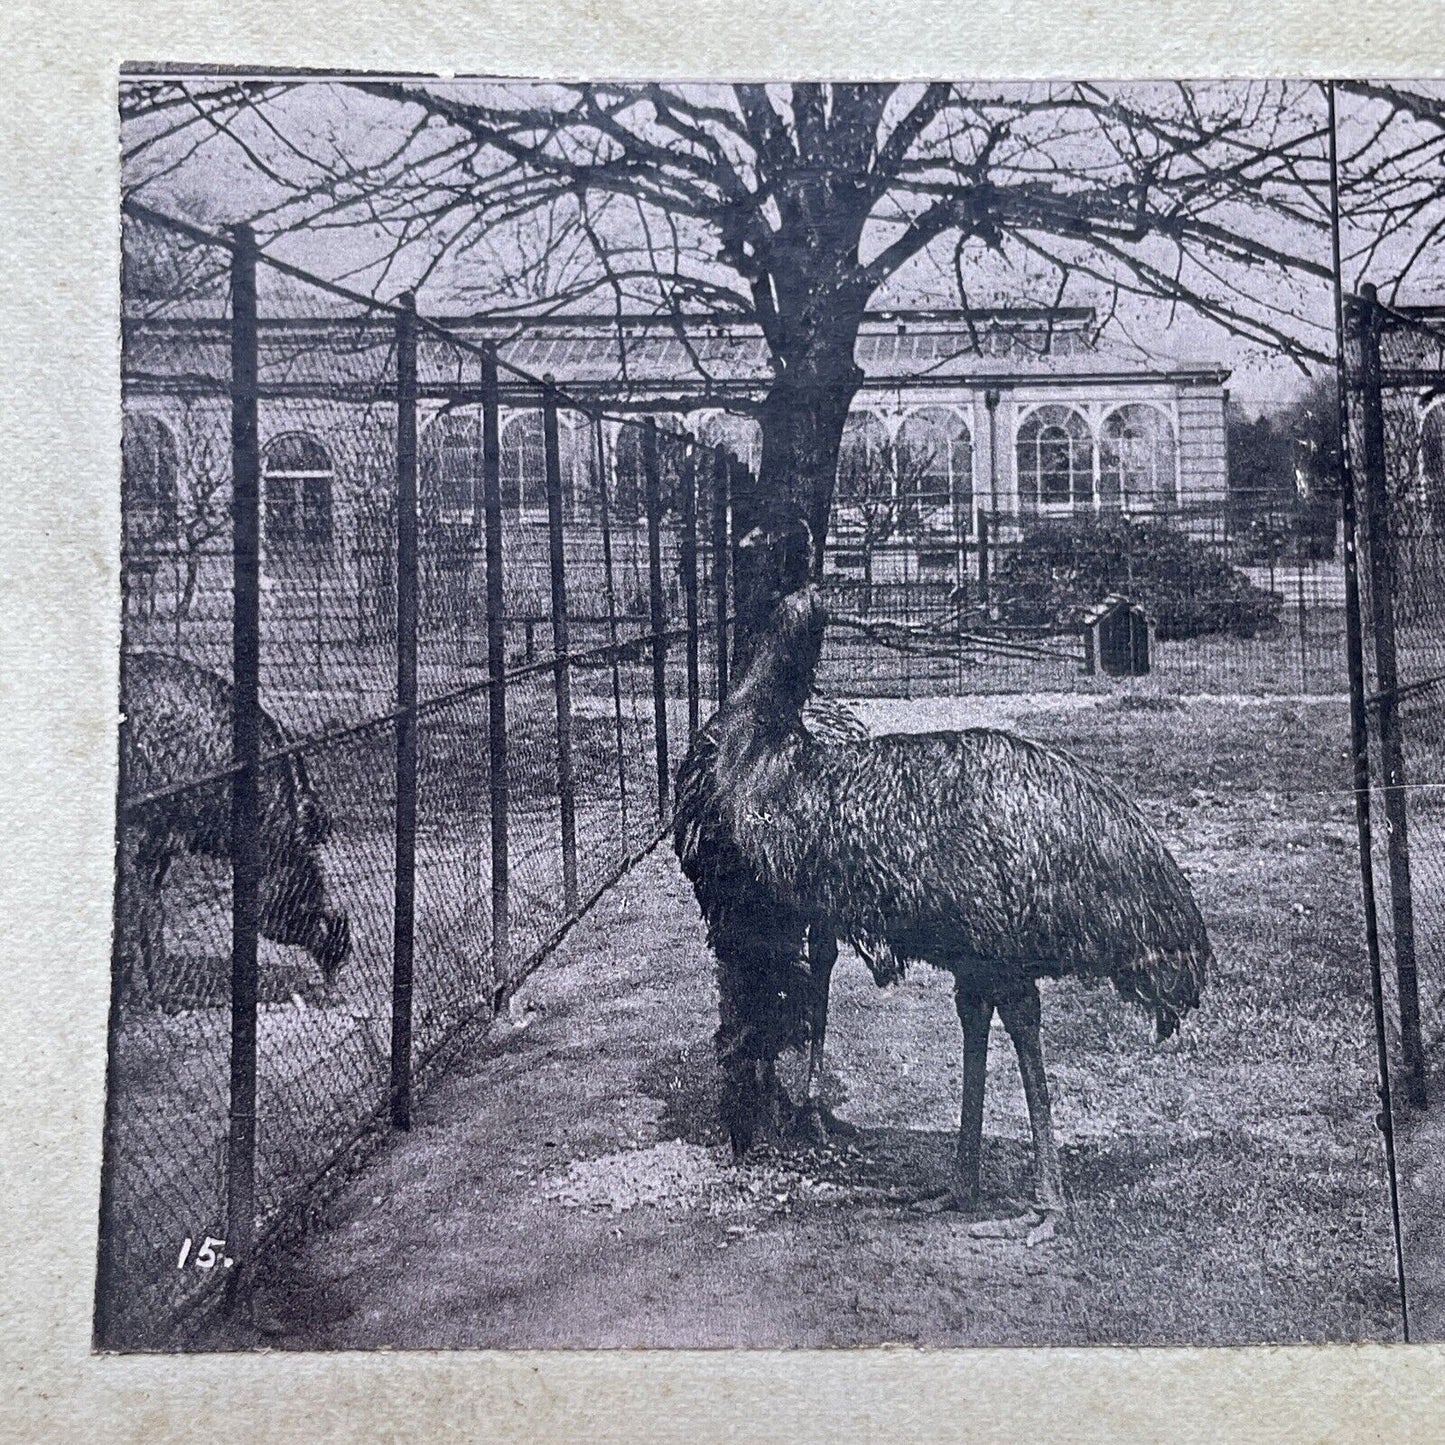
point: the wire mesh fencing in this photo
(1242, 596)
(413, 643)
(1396, 370)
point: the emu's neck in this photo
(780, 677)
(761, 726)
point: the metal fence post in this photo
(404, 915)
(496, 670)
(689, 582)
(984, 541)
(1359, 718)
(720, 557)
(1392, 752)
(604, 517)
(562, 667)
(245, 743)
(652, 484)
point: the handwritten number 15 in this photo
(206, 1256)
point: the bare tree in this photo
(878, 492)
(204, 498)
(790, 206)
(1391, 152)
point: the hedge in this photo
(1061, 568)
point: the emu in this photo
(178, 726)
(992, 857)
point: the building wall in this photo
(1203, 459)
(359, 440)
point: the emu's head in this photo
(297, 907)
(799, 618)
(332, 945)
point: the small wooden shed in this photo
(1117, 635)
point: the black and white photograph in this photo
(776, 715)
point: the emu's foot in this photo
(776, 1115)
(817, 1123)
(1037, 1225)
(932, 1201)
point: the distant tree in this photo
(204, 496)
(1284, 475)
(878, 490)
(1261, 466)
(1314, 428)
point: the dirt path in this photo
(567, 1185)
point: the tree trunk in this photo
(802, 425)
(192, 578)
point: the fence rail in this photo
(372, 770)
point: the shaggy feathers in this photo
(977, 851)
(178, 728)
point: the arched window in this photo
(741, 435)
(1055, 459)
(863, 470)
(629, 464)
(576, 446)
(585, 450)
(148, 473)
(935, 468)
(451, 465)
(671, 456)
(296, 478)
(628, 482)
(524, 464)
(1432, 461)
(1137, 459)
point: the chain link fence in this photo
(1396, 370)
(1242, 596)
(412, 645)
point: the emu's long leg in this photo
(975, 1013)
(1021, 1017)
(822, 955)
(816, 1119)
(777, 1107)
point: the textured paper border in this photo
(59, 409)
